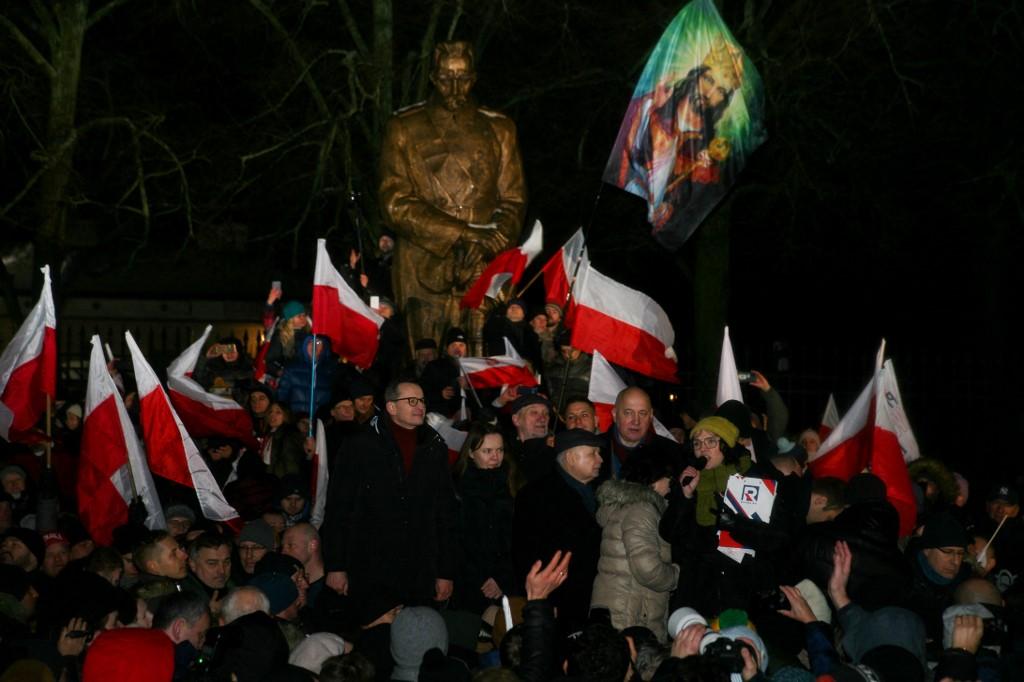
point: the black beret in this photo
(527, 399)
(574, 438)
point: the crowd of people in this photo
(548, 547)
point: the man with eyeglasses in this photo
(389, 524)
(632, 433)
(937, 561)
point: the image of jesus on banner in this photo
(689, 126)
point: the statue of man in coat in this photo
(452, 189)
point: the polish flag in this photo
(318, 487)
(626, 325)
(112, 469)
(866, 438)
(205, 414)
(171, 451)
(507, 266)
(498, 370)
(605, 386)
(728, 376)
(559, 272)
(892, 447)
(452, 437)
(830, 418)
(339, 314)
(28, 367)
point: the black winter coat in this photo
(550, 516)
(485, 536)
(394, 534)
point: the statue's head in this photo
(454, 73)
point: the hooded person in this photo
(298, 380)
(440, 378)
(293, 499)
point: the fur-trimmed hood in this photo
(936, 472)
(615, 494)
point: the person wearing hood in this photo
(293, 499)
(635, 573)
(298, 378)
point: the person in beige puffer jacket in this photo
(635, 573)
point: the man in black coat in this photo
(556, 512)
(633, 433)
(390, 517)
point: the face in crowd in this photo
(580, 415)
(408, 410)
(709, 446)
(532, 421)
(491, 452)
(633, 416)
(582, 462)
(212, 566)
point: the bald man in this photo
(632, 433)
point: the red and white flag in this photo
(728, 376)
(498, 370)
(507, 267)
(205, 414)
(627, 326)
(830, 418)
(452, 437)
(559, 272)
(170, 449)
(866, 438)
(605, 386)
(320, 478)
(340, 315)
(28, 367)
(891, 405)
(893, 446)
(112, 469)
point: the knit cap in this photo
(415, 631)
(721, 427)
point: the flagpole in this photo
(470, 384)
(312, 388)
(530, 283)
(49, 433)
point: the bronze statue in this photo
(452, 189)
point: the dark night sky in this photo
(885, 202)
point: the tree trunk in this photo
(66, 59)
(711, 300)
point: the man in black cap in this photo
(441, 380)
(937, 560)
(1003, 506)
(424, 352)
(362, 399)
(527, 442)
(22, 547)
(556, 512)
(510, 323)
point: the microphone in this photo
(699, 463)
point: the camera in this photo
(724, 651)
(745, 377)
(773, 599)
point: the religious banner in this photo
(695, 117)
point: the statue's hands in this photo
(474, 257)
(488, 239)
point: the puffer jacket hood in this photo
(615, 494)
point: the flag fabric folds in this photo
(205, 414)
(453, 438)
(560, 270)
(112, 469)
(728, 376)
(507, 267)
(627, 326)
(605, 386)
(170, 450)
(339, 314)
(28, 367)
(867, 437)
(830, 418)
(497, 370)
(320, 478)
(694, 119)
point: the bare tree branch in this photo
(104, 11)
(29, 48)
(353, 28)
